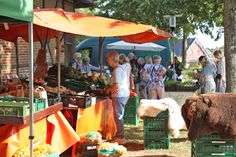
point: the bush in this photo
(187, 84)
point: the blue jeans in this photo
(119, 108)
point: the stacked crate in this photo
(212, 145)
(156, 132)
(130, 115)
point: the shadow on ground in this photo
(134, 146)
(177, 140)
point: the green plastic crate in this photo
(133, 101)
(40, 103)
(158, 122)
(131, 120)
(161, 143)
(130, 112)
(212, 145)
(150, 133)
(14, 109)
(156, 132)
(130, 115)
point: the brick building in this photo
(194, 50)
(8, 49)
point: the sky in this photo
(207, 41)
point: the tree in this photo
(230, 43)
(196, 14)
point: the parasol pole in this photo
(17, 59)
(58, 66)
(101, 40)
(31, 87)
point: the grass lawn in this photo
(179, 147)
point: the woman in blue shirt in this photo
(87, 67)
(208, 74)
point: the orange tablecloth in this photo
(98, 117)
(13, 137)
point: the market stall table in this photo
(96, 118)
(61, 137)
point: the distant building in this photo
(194, 50)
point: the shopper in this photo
(119, 92)
(87, 67)
(76, 61)
(156, 89)
(208, 75)
(124, 62)
(220, 77)
(146, 75)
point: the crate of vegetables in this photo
(75, 85)
(80, 101)
(14, 106)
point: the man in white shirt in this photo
(120, 93)
(221, 75)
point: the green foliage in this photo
(171, 83)
(85, 53)
(196, 14)
(189, 82)
(80, 38)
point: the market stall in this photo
(47, 24)
(19, 121)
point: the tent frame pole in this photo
(31, 87)
(17, 58)
(101, 40)
(58, 65)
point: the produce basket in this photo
(80, 101)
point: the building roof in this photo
(177, 45)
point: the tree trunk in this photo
(230, 44)
(184, 47)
